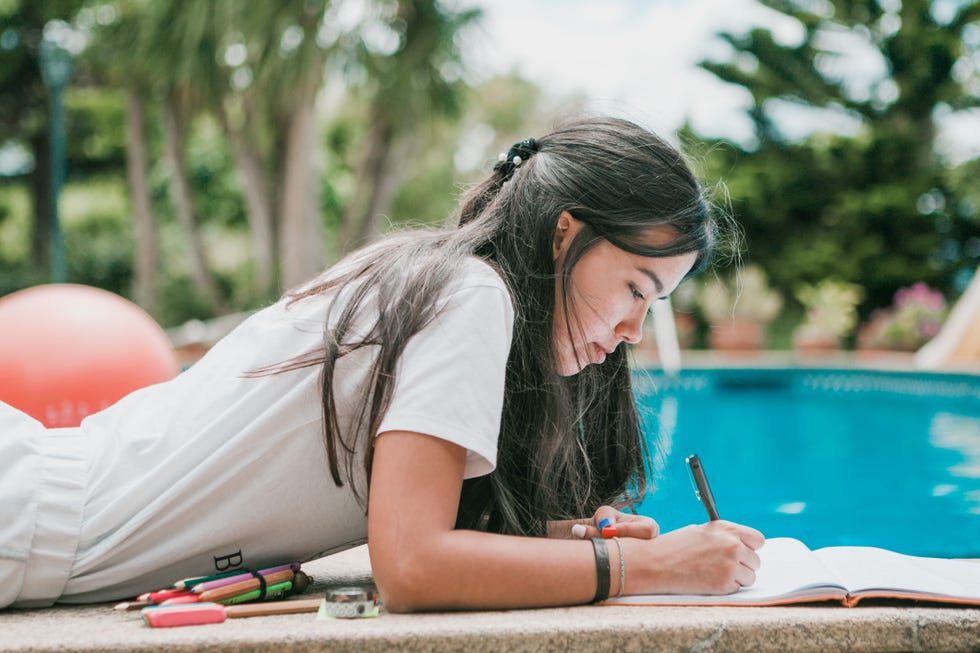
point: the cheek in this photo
(592, 318)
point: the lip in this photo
(600, 352)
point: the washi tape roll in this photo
(349, 603)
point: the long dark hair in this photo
(567, 444)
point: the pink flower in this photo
(920, 293)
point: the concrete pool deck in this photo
(825, 627)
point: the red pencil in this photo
(162, 595)
(180, 600)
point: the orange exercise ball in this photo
(67, 351)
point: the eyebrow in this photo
(653, 277)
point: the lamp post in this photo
(55, 70)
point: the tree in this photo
(257, 68)
(24, 104)
(411, 87)
(874, 209)
(245, 78)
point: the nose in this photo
(630, 329)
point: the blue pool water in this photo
(830, 457)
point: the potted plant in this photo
(914, 318)
(831, 315)
(738, 309)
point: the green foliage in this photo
(831, 307)
(878, 209)
(100, 253)
(181, 300)
(98, 237)
(15, 208)
(428, 196)
(214, 182)
(94, 120)
(421, 74)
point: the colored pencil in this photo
(162, 595)
(240, 576)
(209, 613)
(271, 592)
(273, 607)
(132, 605)
(181, 600)
(187, 583)
(227, 591)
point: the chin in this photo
(573, 366)
(570, 372)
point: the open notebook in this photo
(792, 573)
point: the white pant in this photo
(42, 488)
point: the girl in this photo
(466, 387)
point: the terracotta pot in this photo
(737, 335)
(810, 343)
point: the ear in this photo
(565, 230)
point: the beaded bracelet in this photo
(622, 568)
(601, 569)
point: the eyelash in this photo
(636, 293)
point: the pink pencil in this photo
(221, 582)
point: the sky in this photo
(638, 59)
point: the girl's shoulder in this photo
(478, 273)
(480, 283)
(476, 300)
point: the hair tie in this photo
(508, 162)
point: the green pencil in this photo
(271, 592)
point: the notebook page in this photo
(787, 567)
(866, 569)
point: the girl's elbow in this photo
(403, 587)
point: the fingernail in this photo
(578, 530)
(607, 529)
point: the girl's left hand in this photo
(626, 525)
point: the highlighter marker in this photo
(193, 614)
(607, 529)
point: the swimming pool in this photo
(828, 456)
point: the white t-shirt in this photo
(214, 470)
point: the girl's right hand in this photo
(714, 558)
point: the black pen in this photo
(702, 489)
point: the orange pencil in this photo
(228, 591)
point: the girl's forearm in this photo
(472, 570)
